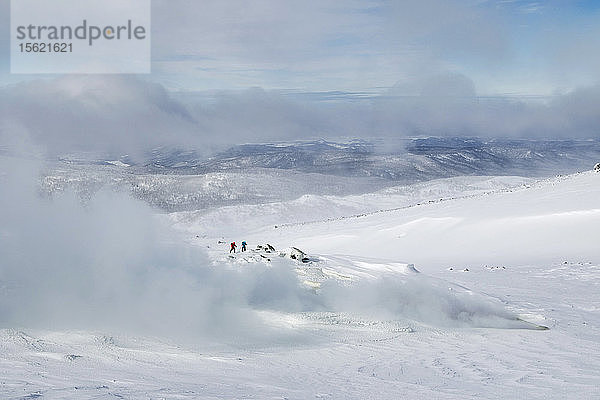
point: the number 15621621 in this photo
(46, 47)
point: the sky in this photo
(235, 71)
(517, 47)
(505, 46)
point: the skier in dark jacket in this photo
(233, 246)
(244, 245)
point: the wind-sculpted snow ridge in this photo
(387, 210)
(424, 300)
(382, 290)
(313, 209)
(475, 193)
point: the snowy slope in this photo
(548, 221)
(307, 209)
(370, 325)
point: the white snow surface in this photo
(427, 291)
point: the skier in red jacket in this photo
(233, 246)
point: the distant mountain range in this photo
(403, 160)
(177, 180)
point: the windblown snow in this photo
(441, 289)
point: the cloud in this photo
(518, 46)
(447, 85)
(117, 115)
(109, 265)
(447, 105)
(317, 45)
(438, 104)
(420, 298)
(360, 45)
